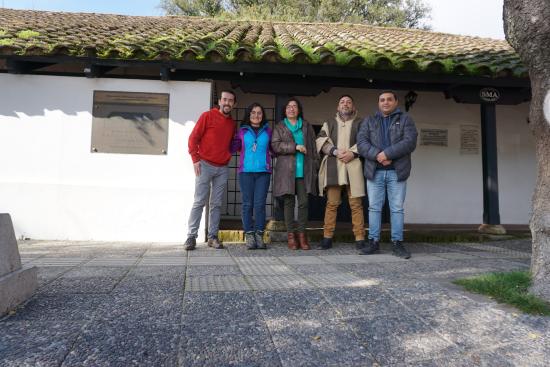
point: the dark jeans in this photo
(289, 203)
(254, 187)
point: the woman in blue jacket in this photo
(253, 142)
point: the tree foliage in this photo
(396, 13)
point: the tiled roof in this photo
(179, 38)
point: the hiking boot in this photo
(292, 244)
(359, 244)
(370, 248)
(400, 251)
(303, 241)
(214, 242)
(190, 244)
(325, 244)
(250, 241)
(259, 235)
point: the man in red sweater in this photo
(209, 147)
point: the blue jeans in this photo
(386, 180)
(254, 187)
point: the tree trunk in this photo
(528, 31)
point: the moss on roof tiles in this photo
(202, 39)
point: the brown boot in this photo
(302, 238)
(292, 244)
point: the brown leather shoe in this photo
(304, 244)
(292, 244)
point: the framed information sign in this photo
(130, 122)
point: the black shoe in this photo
(400, 251)
(250, 241)
(359, 245)
(259, 235)
(190, 244)
(325, 244)
(370, 248)
(214, 242)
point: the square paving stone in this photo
(213, 270)
(171, 251)
(47, 274)
(277, 282)
(363, 302)
(65, 307)
(341, 279)
(444, 269)
(147, 306)
(86, 280)
(307, 304)
(302, 260)
(207, 342)
(532, 353)
(125, 342)
(473, 328)
(344, 259)
(425, 295)
(89, 285)
(258, 260)
(265, 270)
(220, 307)
(215, 283)
(210, 260)
(204, 251)
(457, 256)
(315, 269)
(400, 339)
(122, 261)
(59, 261)
(35, 343)
(317, 343)
(163, 261)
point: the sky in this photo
(482, 18)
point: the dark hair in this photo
(246, 119)
(230, 92)
(300, 113)
(345, 95)
(391, 92)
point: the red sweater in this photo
(211, 138)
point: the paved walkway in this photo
(156, 305)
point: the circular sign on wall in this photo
(489, 94)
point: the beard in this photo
(226, 109)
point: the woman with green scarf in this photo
(295, 170)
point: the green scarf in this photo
(296, 131)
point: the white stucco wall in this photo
(446, 187)
(54, 188)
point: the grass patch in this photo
(510, 288)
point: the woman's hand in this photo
(301, 149)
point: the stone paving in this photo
(117, 304)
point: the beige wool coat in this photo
(332, 171)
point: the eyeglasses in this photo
(256, 113)
(291, 107)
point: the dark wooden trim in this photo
(306, 70)
(97, 71)
(489, 156)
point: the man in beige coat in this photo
(341, 169)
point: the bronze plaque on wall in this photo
(130, 122)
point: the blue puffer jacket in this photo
(403, 136)
(253, 160)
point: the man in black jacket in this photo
(386, 141)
